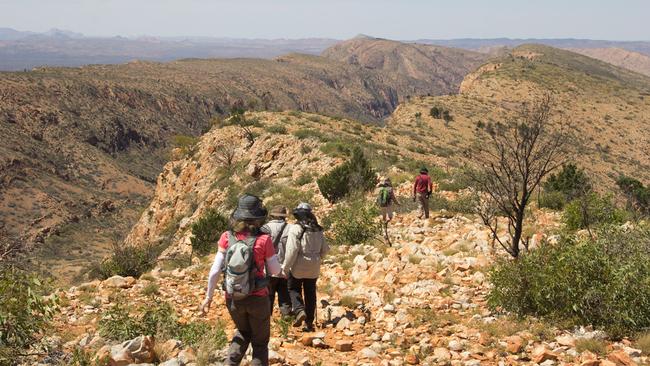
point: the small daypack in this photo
(240, 271)
(383, 200)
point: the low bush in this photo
(643, 343)
(355, 174)
(592, 210)
(127, 260)
(553, 200)
(304, 178)
(353, 222)
(206, 231)
(307, 133)
(462, 204)
(24, 311)
(456, 181)
(601, 282)
(284, 195)
(185, 143)
(277, 129)
(593, 345)
(156, 318)
(337, 149)
(638, 195)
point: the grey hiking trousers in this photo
(252, 317)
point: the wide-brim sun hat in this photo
(249, 207)
(279, 211)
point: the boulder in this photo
(621, 358)
(169, 349)
(541, 354)
(441, 354)
(368, 353)
(140, 349)
(343, 346)
(171, 362)
(515, 344)
(412, 359)
(187, 356)
(566, 340)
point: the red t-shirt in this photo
(422, 184)
(262, 250)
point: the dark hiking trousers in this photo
(252, 317)
(279, 286)
(298, 287)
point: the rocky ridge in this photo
(421, 301)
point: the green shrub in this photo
(353, 222)
(127, 260)
(591, 210)
(435, 112)
(601, 282)
(553, 199)
(277, 129)
(456, 181)
(570, 181)
(24, 311)
(462, 204)
(206, 231)
(151, 289)
(353, 175)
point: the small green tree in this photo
(206, 231)
(592, 210)
(355, 174)
(447, 117)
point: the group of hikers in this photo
(263, 260)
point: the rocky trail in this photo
(421, 301)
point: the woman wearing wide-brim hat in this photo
(251, 314)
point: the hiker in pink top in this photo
(244, 253)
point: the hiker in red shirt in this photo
(243, 255)
(422, 189)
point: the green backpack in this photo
(384, 198)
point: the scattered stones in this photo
(621, 358)
(515, 344)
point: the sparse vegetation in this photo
(590, 211)
(185, 143)
(571, 181)
(127, 260)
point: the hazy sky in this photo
(396, 19)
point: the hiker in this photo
(386, 198)
(422, 189)
(243, 253)
(278, 229)
(306, 247)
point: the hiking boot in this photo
(309, 328)
(300, 317)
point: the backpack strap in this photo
(277, 238)
(232, 238)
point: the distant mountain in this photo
(26, 50)
(436, 69)
(478, 44)
(617, 56)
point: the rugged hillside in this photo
(441, 68)
(421, 301)
(608, 108)
(291, 151)
(620, 57)
(81, 146)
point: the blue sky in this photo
(397, 19)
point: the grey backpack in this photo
(240, 272)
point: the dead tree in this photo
(511, 159)
(224, 154)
